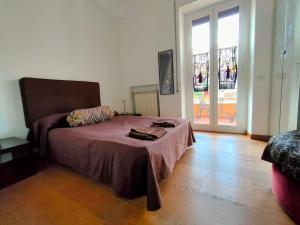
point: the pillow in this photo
(83, 117)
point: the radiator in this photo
(146, 101)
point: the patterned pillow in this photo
(83, 117)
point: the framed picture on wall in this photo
(166, 72)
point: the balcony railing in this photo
(227, 90)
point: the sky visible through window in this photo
(228, 34)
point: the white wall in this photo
(79, 40)
(291, 75)
(60, 39)
(147, 29)
(260, 62)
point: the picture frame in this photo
(166, 72)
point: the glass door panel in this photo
(201, 70)
(228, 50)
(213, 66)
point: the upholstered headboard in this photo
(43, 97)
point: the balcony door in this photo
(213, 69)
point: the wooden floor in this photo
(220, 181)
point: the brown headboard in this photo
(43, 97)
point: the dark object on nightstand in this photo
(17, 161)
(133, 114)
(128, 114)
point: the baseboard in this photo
(259, 137)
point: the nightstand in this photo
(16, 161)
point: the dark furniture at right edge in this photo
(283, 151)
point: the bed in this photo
(101, 151)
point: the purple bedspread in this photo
(105, 152)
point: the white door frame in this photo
(212, 12)
(189, 66)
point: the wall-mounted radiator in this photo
(146, 100)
